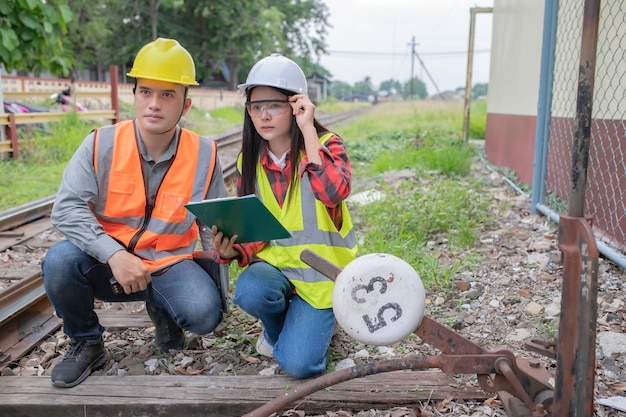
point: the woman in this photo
(302, 173)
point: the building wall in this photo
(514, 85)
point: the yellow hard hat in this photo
(164, 60)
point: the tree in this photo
(239, 32)
(217, 33)
(479, 89)
(418, 88)
(364, 87)
(85, 33)
(31, 34)
(339, 89)
(304, 25)
(391, 86)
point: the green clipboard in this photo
(247, 217)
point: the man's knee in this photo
(57, 266)
(203, 321)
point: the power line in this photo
(402, 54)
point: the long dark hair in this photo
(252, 143)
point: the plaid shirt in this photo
(330, 182)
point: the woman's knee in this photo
(302, 368)
(261, 286)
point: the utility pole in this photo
(414, 55)
(411, 89)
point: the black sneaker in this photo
(168, 334)
(79, 361)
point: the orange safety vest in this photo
(159, 235)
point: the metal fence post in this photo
(574, 388)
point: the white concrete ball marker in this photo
(378, 299)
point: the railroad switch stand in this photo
(525, 387)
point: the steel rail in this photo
(27, 213)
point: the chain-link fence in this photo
(605, 199)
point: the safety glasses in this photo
(272, 107)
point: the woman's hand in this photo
(224, 244)
(303, 109)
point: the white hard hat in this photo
(378, 299)
(276, 71)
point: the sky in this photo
(374, 38)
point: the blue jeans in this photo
(73, 280)
(300, 333)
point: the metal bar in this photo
(606, 251)
(12, 133)
(414, 363)
(584, 104)
(544, 114)
(114, 92)
(320, 264)
(445, 339)
(19, 296)
(470, 65)
(575, 361)
(26, 213)
(577, 328)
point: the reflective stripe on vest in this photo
(168, 232)
(312, 228)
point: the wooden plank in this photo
(6, 146)
(219, 396)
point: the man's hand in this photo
(129, 271)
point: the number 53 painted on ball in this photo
(378, 299)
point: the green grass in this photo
(213, 122)
(478, 119)
(433, 199)
(43, 155)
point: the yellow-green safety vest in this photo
(312, 228)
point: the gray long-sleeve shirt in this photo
(72, 212)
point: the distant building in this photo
(318, 87)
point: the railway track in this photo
(26, 318)
(26, 315)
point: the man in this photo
(121, 207)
